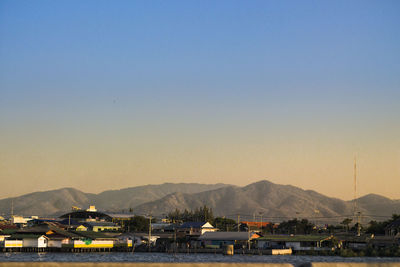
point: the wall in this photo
(94, 244)
(13, 243)
(54, 243)
(30, 242)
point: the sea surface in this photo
(165, 257)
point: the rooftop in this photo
(296, 238)
(228, 236)
(22, 236)
(192, 224)
(100, 224)
(95, 235)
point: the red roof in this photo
(8, 226)
(257, 224)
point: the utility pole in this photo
(174, 239)
(238, 222)
(355, 185)
(12, 208)
(248, 228)
(150, 233)
(357, 214)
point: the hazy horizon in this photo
(101, 95)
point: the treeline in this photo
(304, 226)
(138, 224)
(378, 228)
(205, 214)
(294, 226)
(202, 214)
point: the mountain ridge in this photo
(58, 201)
(272, 200)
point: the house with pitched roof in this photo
(194, 229)
(393, 228)
(219, 239)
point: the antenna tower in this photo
(12, 208)
(357, 214)
(355, 186)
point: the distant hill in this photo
(131, 197)
(276, 202)
(268, 198)
(61, 200)
(46, 203)
(378, 205)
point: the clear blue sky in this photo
(138, 92)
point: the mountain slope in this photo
(261, 197)
(131, 197)
(61, 200)
(275, 202)
(45, 203)
(379, 205)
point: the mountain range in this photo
(272, 201)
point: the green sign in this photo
(87, 241)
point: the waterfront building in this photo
(219, 239)
(296, 242)
(83, 215)
(393, 228)
(31, 240)
(102, 226)
(193, 229)
(11, 243)
(22, 221)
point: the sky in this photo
(100, 95)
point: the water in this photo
(165, 257)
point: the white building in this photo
(7, 243)
(33, 241)
(22, 220)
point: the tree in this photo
(268, 229)
(202, 214)
(174, 216)
(330, 228)
(295, 226)
(378, 228)
(139, 224)
(346, 222)
(224, 224)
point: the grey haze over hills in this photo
(276, 202)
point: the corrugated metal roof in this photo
(22, 236)
(192, 224)
(8, 226)
(100, 224)
(228, 236)
(295, 238)
(121, 215)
